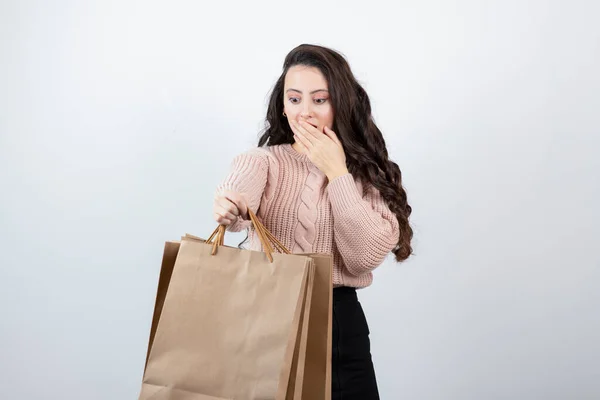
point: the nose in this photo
(306, 111)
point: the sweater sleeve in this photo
(248, 177)
(365, 230)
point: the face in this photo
(306, 96)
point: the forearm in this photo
(365, 230)
(247, 178)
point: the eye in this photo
(320, 101)
(294, 100)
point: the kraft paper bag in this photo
(314, 376)
(166, 270)
(315, 379)
(317, 373)
(226, 324)
(298, 360)
(240, 324)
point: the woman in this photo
(321, 181)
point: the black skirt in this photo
(352, 375)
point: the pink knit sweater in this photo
(308, 214)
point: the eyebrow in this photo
(313, 92)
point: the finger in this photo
(311, 130)
(234, 199)
(295, 128)
(221, 220)
(243, 206)
(303, 132)
(228, 206)
(301, 145)
(303, 142)
(239, 200)
(230, 201)
(331, 134)
(299, 137)
(226, 212)
(230, 195)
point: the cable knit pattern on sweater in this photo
(308, 214)
(305, 234)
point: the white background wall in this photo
(118, 119)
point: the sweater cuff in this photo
(343, 193)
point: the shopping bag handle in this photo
(266, 237)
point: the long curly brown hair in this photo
(366, 153)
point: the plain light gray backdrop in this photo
(118, 119)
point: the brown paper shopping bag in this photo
(229, 322)
(298, 361)
(312, 358)
(311, 365)
(317, 374)
(166, 270)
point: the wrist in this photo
(337, 173)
